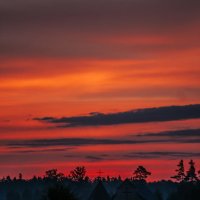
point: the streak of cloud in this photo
(168, 113)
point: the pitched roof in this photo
(130, 191)
(99, 193)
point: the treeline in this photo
(78, 174)
(57, 186)
(189, 182)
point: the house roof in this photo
(99, 193)
(130, 191)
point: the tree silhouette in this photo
(191, 173)
(180, 172)
(8, 179)
(20, 176)
(78, 174)
(141, 173)
(59, 192)
(52, 174)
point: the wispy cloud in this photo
(143, 155)
(161, 154)
(176, 133)
(71, 142)
(96, 19)
(43, 150)
(95, 158)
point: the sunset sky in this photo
(77, 77)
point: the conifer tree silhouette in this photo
(191, 173)
(180, 176)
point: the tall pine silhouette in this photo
(180, 176)
(191, 173)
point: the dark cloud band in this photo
(70, 142)
(144, 155)
(160, 114)
(174, 134)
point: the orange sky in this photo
(77, 59)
